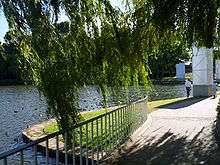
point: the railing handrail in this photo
(52, 135)
(107, 113)
(30, 144)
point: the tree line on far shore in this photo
(10, 69)
(161, 63)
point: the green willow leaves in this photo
(99, 44)
(194, 20)
(96, 45)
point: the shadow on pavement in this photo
(183, 103)
(217, 124)
(171, 149)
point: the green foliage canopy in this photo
(100, 45)
(97, 46)
(9, 55)
(195, 20)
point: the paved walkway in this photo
(183, 133)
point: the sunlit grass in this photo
(107, 131)
(114, 128)
(152, 106)
(53, 126)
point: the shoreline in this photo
(36, 132)
(11, 82)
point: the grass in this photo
(53, 126)
(115, 128)
(89, 115)
(107, 132)
(152, 106)
(187, 75)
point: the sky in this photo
(4, 24)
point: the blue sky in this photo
(4, 24)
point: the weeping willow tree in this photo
(196, 21)
(97, 45)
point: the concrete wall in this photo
(217, 70)
(202, 67)
(180, 71)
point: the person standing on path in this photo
(188, 87)
(214, 90)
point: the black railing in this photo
(92, 140)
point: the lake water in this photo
(167, 92)
(20, 107)
(23, 106)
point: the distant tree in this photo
(12, 52)
(2, 53)
(3, 66)
(163, 61)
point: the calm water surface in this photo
(167, 92)
(23, 106)
(20, 107)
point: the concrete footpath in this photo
(183, 133)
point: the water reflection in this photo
(23, 106)
(167, 92)
(20, 107)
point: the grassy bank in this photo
(152, 106)
(113, 131)
(9, 82)
(53, 127)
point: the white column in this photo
(202, 67)
(217, 70)
(180, 71)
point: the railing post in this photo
(47, 153)
(22, 158)
(92, 132)
(35, 155)
(124, 124)
(87, 154)
(106, 135)
(118, 127)
(97, 140)
(57, 150)
(121, 124)
(110, 136)
(112, 130)
(126, 120)
(80, 144)
(133, 115)
(73, 148)
(65, 148)
(129, 120)
(101, 137)
(5, 161)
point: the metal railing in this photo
(92, 140)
